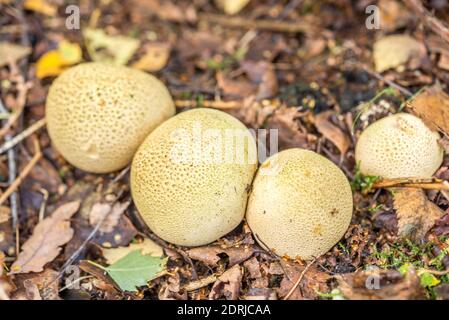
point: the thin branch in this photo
(215, 104)
(259, 24)
(392, 84)
(432, 22)
(13, 186)
(429, 184)
(24, 134)
(300, 278)
(12, 171)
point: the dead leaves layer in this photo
(48, 236)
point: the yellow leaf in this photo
(41, 6)
(12, 52)
(105, 48)
(54, 62)
(147, 247)
(154, 59)
(70, 52)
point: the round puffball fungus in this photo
(399, 146)
(98, 114)
(189, 178)
(301, 204)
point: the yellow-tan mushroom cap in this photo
(399, 146)
(98, 114)
(185, 182)
(300, 204)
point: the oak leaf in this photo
(45, 243)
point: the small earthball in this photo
(98, 114)
(399, 146)
(300, 204)
(190, 177)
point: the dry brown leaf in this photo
(148, 246)
(12, 52)
(332, 132)
(313, 281)
(155, 57)
(432, 105)
(209, 254)
(290, 136)
(5, 285)
(45, 243)
(261, 294)
(397, 50)
(393, 15)
(391, 285)
(228, 284)
(416, 214)
(263, 74)
(113, 214)
(5, 214)
(40, 286)
(233, 87)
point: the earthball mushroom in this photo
(98, 114)
(300, 205)
(399, 146)
(190, 177)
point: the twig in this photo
(11, 177)
(430, 184)
(216, 104)
(260, 24)
(200, 283)
(429, 19)
(24, 134)
(13, 186)
(392, 84)
(45, 195)
(300, 278)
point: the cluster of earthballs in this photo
(101, 117)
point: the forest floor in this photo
(314, 70)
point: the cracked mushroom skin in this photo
(185, 197)
(399, 146)
(98, 114)
(300, 205)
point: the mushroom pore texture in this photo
(98, 114)
(181, 183)
(399, 146)
(300, 204)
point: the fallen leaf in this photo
(432, 105)
(5, 285)
(5, 214)
(110, 215)
(332, 132)
(112, 49)
(47, 238)
(289, 133)
(41, 6)
(210, 254)
(171, 289)
(135, 270)
(231, 6)
(147, 247)
(261, 294)
(227, 285)
(313, 281)
(7, 239)
(12, 52)
(54, 62)
(263, 74)
(253, 267)
(37, 286)
(397, 50)
(155, 57)
(393, 15)
(380, 285)
(234, 87)
(416, 214)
